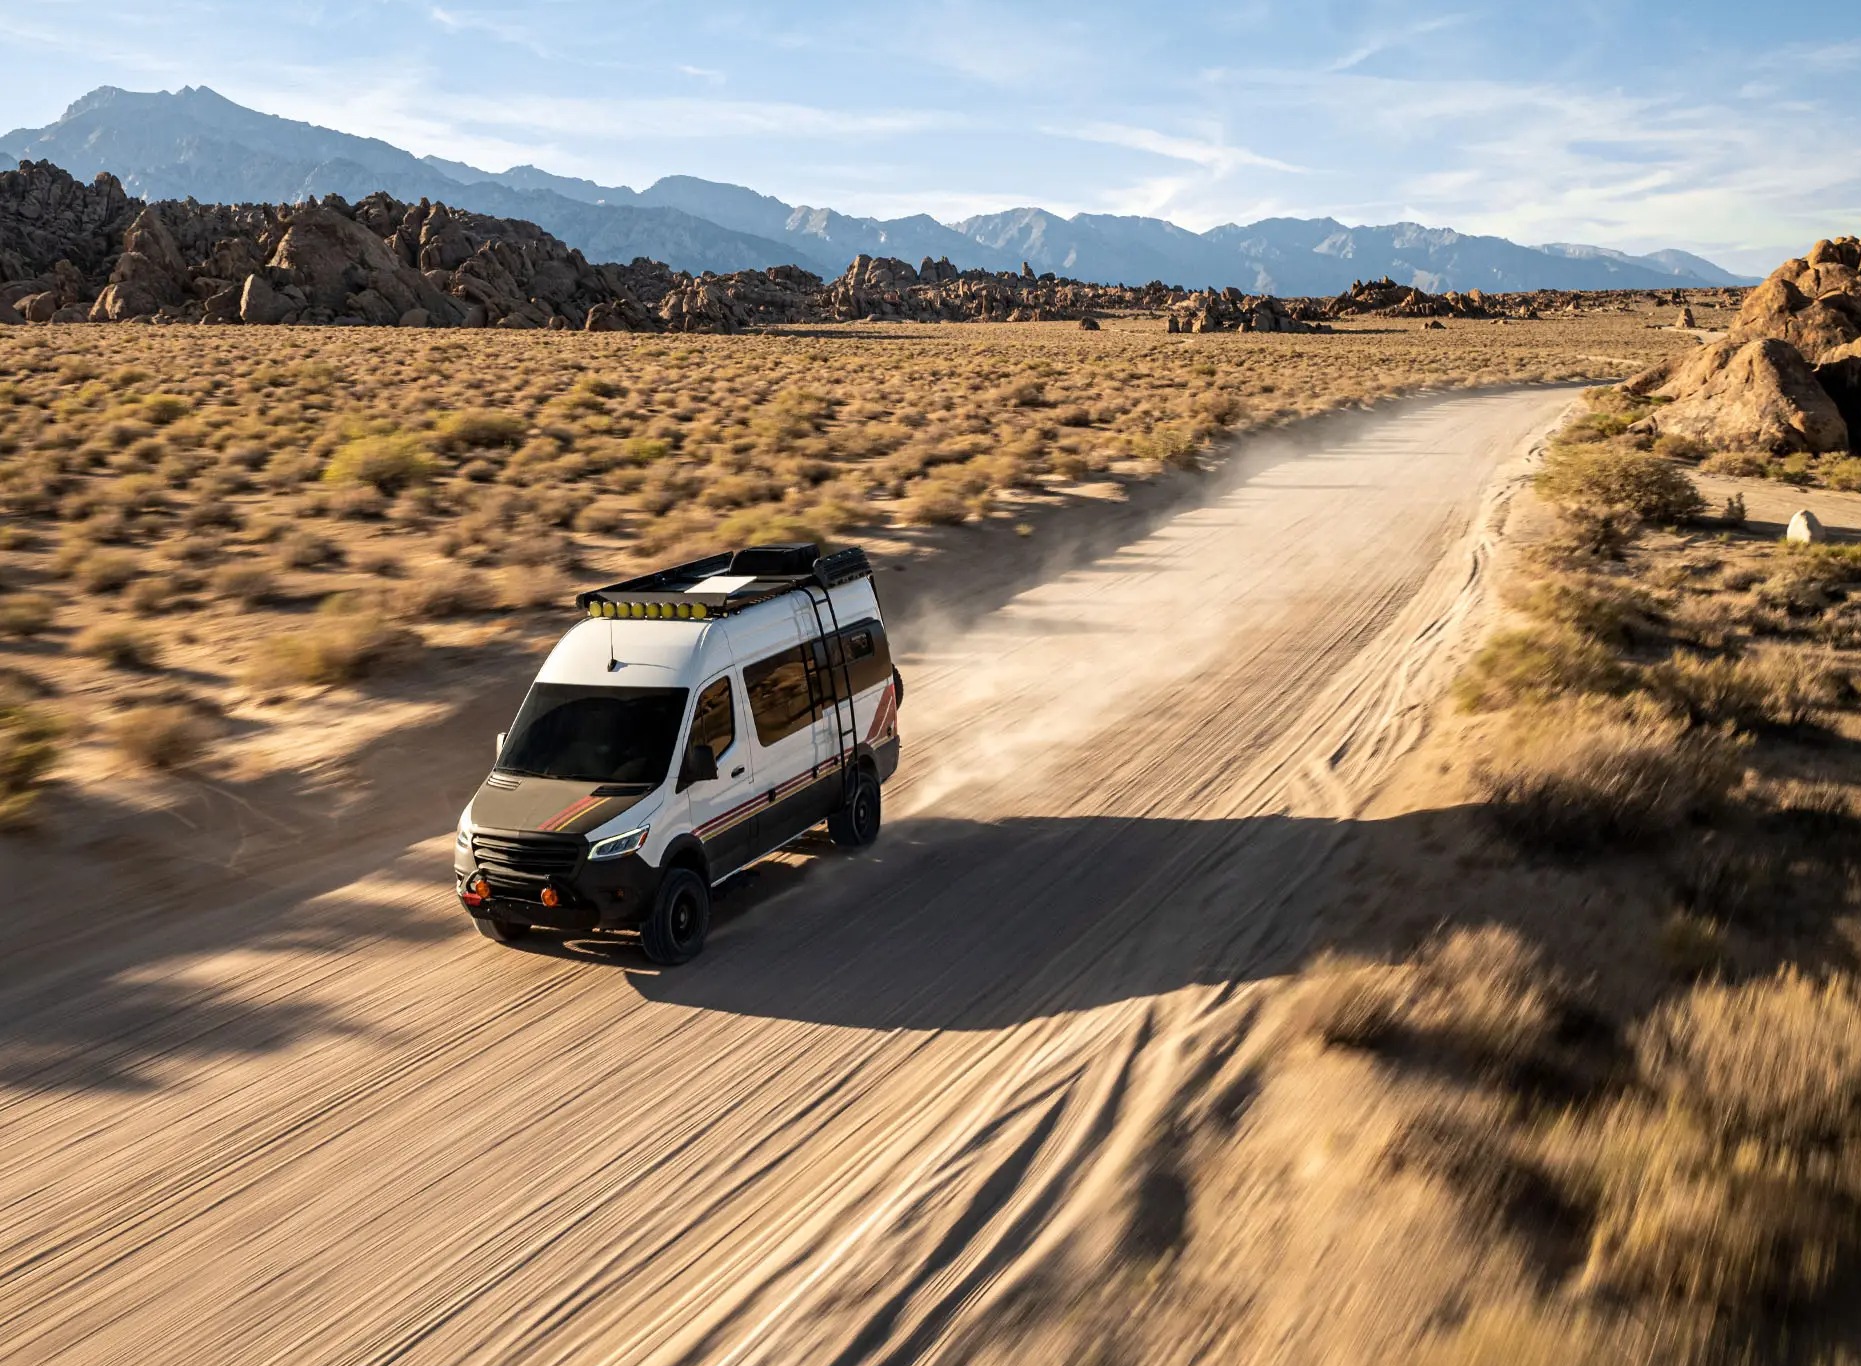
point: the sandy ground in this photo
(325, 1121)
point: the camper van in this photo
(694, 721)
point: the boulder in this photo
(414, 317)
(72, 313)
(1746, 395)
(1806, 529)
(1088, 324)
(260, 304)
(1840, 378)
(343, 267)
(141, 284)
(1685, 321)
(1812, 302)
(37, 308)
(9, 315)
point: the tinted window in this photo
(595, 735)
(868, 658)
(713, 723)
(778, 695)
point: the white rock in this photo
(1805, 527)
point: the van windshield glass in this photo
(595, 735)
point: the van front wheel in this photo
(856, 824)
(681, 917)
(504, 931)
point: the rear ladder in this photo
(846, 725)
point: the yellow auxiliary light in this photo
(594, 609)
(607, 610)
(700, 611)
(636, 610)
(684, 611)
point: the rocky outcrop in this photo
(1787, 375)
(1751, 395)
(1806, 529)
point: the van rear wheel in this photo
(856, 824)
(681, 917)
(504, 931)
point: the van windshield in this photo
(594, 735)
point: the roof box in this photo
(771, 561)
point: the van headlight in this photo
(616, 845)
(463, 839)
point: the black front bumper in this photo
(594, 894)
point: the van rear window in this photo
(595, 735)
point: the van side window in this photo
(712, 722)
(778, 693)
(868, 657)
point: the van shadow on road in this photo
(953, 924)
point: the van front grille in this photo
(527, 857)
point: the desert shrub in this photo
(148, 596)
(1843, 474)
(1673, 446)
(389, 462)
(1349, 1002)
(755, 526)
(162, 737)
(303, 548)
(1519, 666)
(1734, 512)
(162, 409)
(102, 571)
(1776, 1061)
(525, 589)
(1796, 470)
(1612, 477)
(247, 584)
(1675, 1220)
(439, 593)
(1573, 779)
(346, 640)
(1607, 610)
(1595, 426)
(28, 749)
(24, 615)
(937, 503)
(1737, 464)
(1690, 943)
(477, 429)
(1806, 577)
(120, 644)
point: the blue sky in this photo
(1729, 128)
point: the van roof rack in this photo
(719, 585)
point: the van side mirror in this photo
(500, 749)
(700, 766)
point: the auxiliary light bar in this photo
(649, 611)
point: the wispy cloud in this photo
(1210, 153)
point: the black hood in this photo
(508, 802)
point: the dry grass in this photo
(163, 737)
(1571, 779)
(214, 482)
(28, 748)
(346, 641)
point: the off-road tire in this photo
(674, 933)
(856, 824)
(504, 931)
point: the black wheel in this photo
(856, 824)
(504, 931)
(681, 917)
(898, 687)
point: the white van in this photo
(698, 719)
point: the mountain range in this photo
(195, 143)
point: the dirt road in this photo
(856, 1129)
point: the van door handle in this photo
(737, 772)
